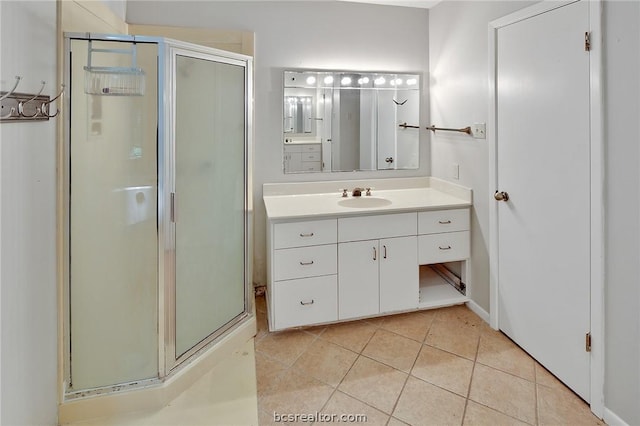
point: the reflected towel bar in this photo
(466, 130)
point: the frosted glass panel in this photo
(113, 225)
(210, 203)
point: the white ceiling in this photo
(426, 4)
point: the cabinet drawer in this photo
(311, 166)
(445, 247)
(300, 234)
(311, 156)
(316, 147)
(443, 221)
(374, 227)
(300, 147)
(305, 301)
(305, 262)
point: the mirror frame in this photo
(301, 80)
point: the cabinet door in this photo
(293, 162)
(358, 292)
(399, 288)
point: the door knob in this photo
(501, 196)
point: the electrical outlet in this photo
(479, 130)
(455, 171)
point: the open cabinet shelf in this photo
(435, 291)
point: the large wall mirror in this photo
(348, 120)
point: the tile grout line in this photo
(404, 385)
(347, 373)
(473, 369)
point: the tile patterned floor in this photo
(437, 367)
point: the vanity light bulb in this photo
(328, 79)
(311, 80)
(392, 82)
(411, 82)
(345, 81)
(398, 81)
(365, 80)
(380, 80)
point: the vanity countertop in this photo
(317, 199)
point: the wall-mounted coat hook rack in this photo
(15, 106)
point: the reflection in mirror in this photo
(297, 114)
(348, 121)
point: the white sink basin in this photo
(364, 202)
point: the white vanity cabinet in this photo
(303, 269)
(377, 265)
(303, 157)
(443, 236)
(330, 261)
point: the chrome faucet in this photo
(357, 192)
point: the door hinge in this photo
(587, 41)
(587, 342)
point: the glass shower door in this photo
(210, 205)
(112, 218)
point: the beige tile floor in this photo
(437, 367)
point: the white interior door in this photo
(543, 163)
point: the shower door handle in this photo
(172, 207)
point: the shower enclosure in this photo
(157, 207)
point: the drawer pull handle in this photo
(385, 252)
(444, 222)
(303, 303)
(307, 235)
(306, 263)
(375, 254)
(444, 248)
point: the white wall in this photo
(321, 35)
(622, 211)
(28, 222)
(459, 72)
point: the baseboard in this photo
(156, 396)
(475, 308)
(612, 419)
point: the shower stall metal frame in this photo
(168, 362)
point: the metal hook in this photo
(44, 108)
(23, 103)
(10, 92)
